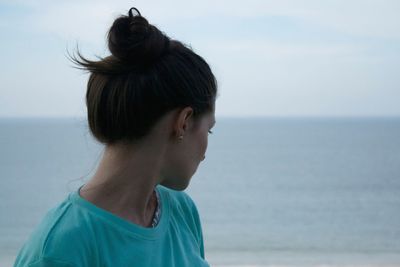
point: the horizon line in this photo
(233, 117)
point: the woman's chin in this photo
(176, 185)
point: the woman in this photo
(152, 104)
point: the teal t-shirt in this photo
(76, 233)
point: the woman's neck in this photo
(124, 183)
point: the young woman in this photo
(152, 104)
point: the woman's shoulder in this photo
(185, 213)
(61, 235)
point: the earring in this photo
(180, 137)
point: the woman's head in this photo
(146, 76)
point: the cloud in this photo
(271, 57)
(87, 20)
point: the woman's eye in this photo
(210, 132)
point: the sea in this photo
(271, 191)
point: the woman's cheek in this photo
(205, 145)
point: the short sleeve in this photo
(48, 262)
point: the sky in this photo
(271, 58)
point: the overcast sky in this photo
(271, 58)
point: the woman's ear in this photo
(183, 121)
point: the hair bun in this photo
(132, 39)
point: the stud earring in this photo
(180, 137)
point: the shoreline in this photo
(8, 261)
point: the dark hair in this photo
(147, 75)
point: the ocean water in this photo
(271, 192)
